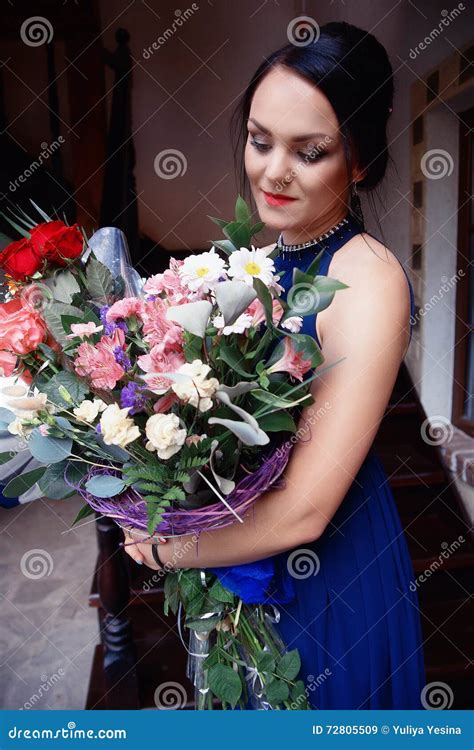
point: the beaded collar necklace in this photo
(286, 251)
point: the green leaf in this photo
(289, 665)
(85, 511)
(77, 388)
(238, 233)
(233, 357)
(266, 299)
(225, 245)
(23, 482)
(280, 421)
(52, 482)
(220, 593)
(105, 486)
(52, 316)
(277, 691)
(202, 626)
(47, 449)
(243, 213)
(100, 282)
(225, 683)
(265, 662)
(7, 456)
(63, 286)
(297, 692)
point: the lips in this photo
(274, 199)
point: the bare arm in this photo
(368, 325)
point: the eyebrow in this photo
(297, 139)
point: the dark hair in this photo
(352, 69)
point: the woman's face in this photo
(294, 149)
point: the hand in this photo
(141, 551)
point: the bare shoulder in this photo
(378, 290)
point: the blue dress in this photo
(344, 600)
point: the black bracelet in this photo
(156, 557)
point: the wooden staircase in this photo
(147, 646)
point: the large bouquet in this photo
(155, 400)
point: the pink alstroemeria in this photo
(160, 332)
(257, 311)
(170, 282)
(83, 329)
(157, 361)
(98, 362)
(164, 403)
(292, 362)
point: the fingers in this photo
(131, 548)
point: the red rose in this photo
(20, 260)
(55, 241)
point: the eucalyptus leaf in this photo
(48, 449)
(102, 485)
(23, 482)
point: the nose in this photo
(278, 170)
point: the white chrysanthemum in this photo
(243, 322)
(116, 427)
(164, 435)
(247, 265)
(201, 272)
(196, 390)
(293, 323)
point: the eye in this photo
(311, 156)
(259, 146)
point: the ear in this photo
(358, 174)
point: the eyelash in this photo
(264, 147)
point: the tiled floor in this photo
(47, 630)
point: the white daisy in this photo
(201, 272)
(247, 265)
(243, 322)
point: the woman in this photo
(315, 120)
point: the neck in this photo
(320, 225)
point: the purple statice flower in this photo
(109, 328)
(132, 395)
(122, 358)
(98, 428)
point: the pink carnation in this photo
(21, 328)
(8, 362)
(125, 308)
(160, 332)
(157, 362)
